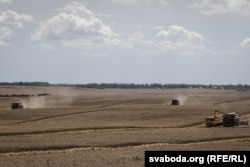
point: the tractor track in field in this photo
(75, 113)
(78, 148)
(63, 115)
(75, 130)
(234, 100)
(57, 116)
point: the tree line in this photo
(133, 85)
(25, 83)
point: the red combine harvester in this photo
(224, 119)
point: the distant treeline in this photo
(25, 83)
(16, 95)
(133, 86)
(24, 95)
(157, 86)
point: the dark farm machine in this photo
(18, 105)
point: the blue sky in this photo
(125, 41)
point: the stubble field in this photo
(113, 127)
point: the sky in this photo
(125, 41)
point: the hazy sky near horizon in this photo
(125, 41)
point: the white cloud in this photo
(45, 46)
(129, 2)
(13, 19)
(245, 42)
(137, 38)
(158, 28)
(188, 53)
(75, 26)
(178, 38)
(5, 33)
(10, 20)
(5, 1)
(212, 7)
(164, 2)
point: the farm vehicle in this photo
(224, 119)
(17, 105)
(175, 102)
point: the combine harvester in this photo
(175, 102)
(17, 106)
(224, 119)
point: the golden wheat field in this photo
(113, 127)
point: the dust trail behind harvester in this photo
(34, 102)
(182, 99)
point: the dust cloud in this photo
(61, 97)
(34, 102)
(66, 96)
(182, 99)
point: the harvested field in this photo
(113, 127)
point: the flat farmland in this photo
(113, 127)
